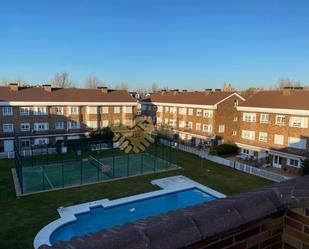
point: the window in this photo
(234, 133)
(41, 141)
(128, 122)
(264, 118)
(235, 119)
(198, 126)
(280, 120)
(144, 107)
(189, 125)
(250, 135)
(8, 127)
(183, 111)
(297, 143)
(166, 121)
(278, 139)
(92, 110)
(221, 128)
(40, 110)
(249, 117)
(247, 152)
(293, 162)
(104, 109)
(73, 110)
(59, 110)
(24, 143)
(263, 136)
(127, 109)
(59, 139)
(104, 123)
(207, 128)
(301, 122)
(24, 127)
(117, 122)
(173, 110)
(160, 108)
(190, 111)
(59, 125)
(40, 126)
(159, 120)
(92, 124)
(207, 113)
(116, 109)
(181, 124)
(7, 111)
(172, 122)
(73, 125)
(167, 108)
(235, 103)
(24, 111)
(199, 113)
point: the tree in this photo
(305, 166)
(155, 87)
(122, 86)
(61, 80)
(92, 82)
(287, 82)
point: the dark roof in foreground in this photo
(39, 94)
(193, 98)
(189, 225)
(282, 99)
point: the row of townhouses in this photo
(44, 115)
(268, 127)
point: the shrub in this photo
(305, 166)
(103, 134)
(212, 152)
(226, 149)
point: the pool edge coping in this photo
(67, 214)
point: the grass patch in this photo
(21, 219)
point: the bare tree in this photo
(92, 82)
(155, 87)
(122, 86)
(287, 82)
(62, 80)
(19, 80)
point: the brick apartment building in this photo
(274, 128)
(42, 114)
(200, 117)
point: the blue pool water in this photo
(99, 218)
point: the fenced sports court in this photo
(85, 162)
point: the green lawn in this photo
(22, 218)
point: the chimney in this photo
(175, 91)
(286, 92)
(47, 88)
(13, 87)
(103, 89)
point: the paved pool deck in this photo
(168, 185)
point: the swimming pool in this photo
(82, 219)
(98, 217)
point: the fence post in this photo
(142, 163)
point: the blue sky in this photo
(185, 44)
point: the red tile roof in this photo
(283, 99)
(38, 94)
(193, 98)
